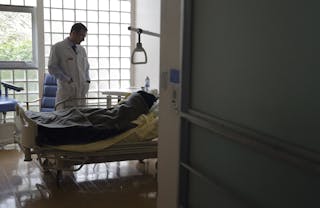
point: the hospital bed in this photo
(137, 143)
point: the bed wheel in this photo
(59, 177)
(27, 154)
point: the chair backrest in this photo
(49, 93)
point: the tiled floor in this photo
(117, 184)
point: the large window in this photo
(108, 40)
(17, 48)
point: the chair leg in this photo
(4, 116)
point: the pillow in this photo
(155, 108)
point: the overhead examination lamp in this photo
(139, 55)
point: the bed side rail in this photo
(85, 102)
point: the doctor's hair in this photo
(77, 27)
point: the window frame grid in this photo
(86, 44)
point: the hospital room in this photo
(115, 69)
(159, 103)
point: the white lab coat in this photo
(65, 65)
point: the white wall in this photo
(148, 18)
(168, 147)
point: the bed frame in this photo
(52, 159)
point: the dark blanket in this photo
(85, 125)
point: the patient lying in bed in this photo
(85, 125)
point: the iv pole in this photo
(139, 47)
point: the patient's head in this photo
(148, 98)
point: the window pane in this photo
(103, 16)
(56, 14)
(124, 29)
(47, 26)
(17, 2)
(93, 5)
(20, 75)
(92, 40)
(46, 3)
(47, 50)
(104, 40)
(125, 18)
(114, 52)
(30, 3)
(92, 28)
(93, 86)
(57, 26)
(33, 97)
(84, 43)
(92, 16)
(81, 15)
(68, 14)
(46, 62)
(16, 36)
(32, 75)
(67, 26)
(81, 4)
(125, 52)
(103, 51)
(125, 6)
(93, 74)
(114, 63)
(56, 38)
(103, 85)
(125, 74)
(68, 4)
(125, 40)
(92, 51)
(103, 63)
(93, 63)
(20, 97)
(114, 29)
(92, 94)
(56, 3)
(33, 87)
(114, 5)
(114, 40)
(125, 62)
(114, 17)
(104, 4)
(125, 84)
(6, 75)
(114, 84)
(103, 74)
(103, 28)
(46, 13)
(5, 2)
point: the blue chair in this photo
(47, 101)
(49, 93)
(8, 104)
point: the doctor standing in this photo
(68, 63)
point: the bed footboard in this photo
(26, 132)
